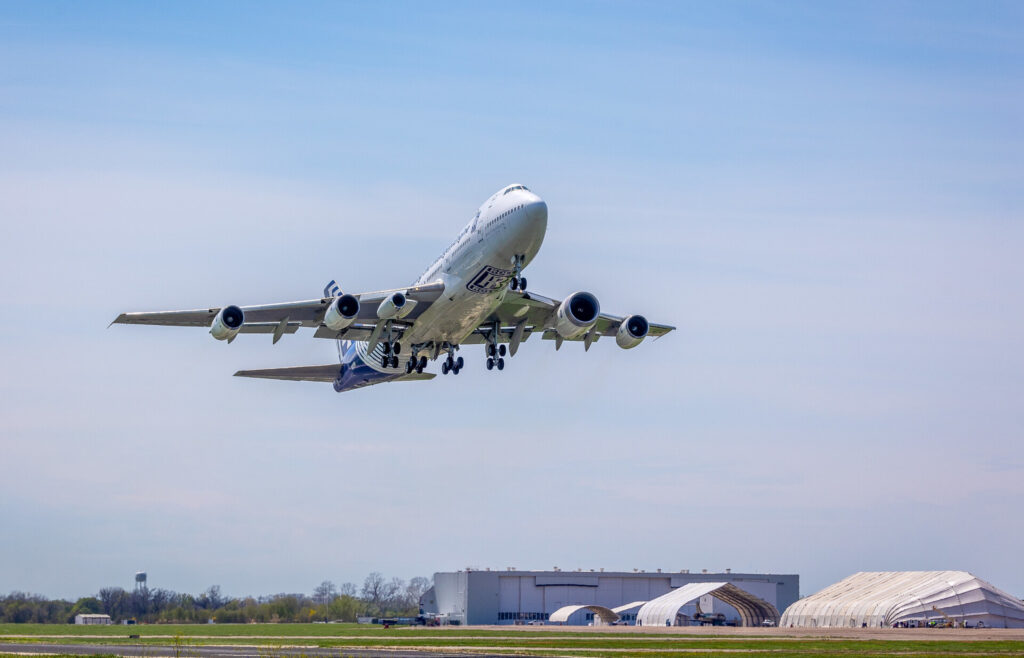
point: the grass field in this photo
(266, 639)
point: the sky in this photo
(826, 199)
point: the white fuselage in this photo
(476, 268)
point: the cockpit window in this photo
(515, 187)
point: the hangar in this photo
(668, 609)
(485, 596)
(602, 615)
(913, 598)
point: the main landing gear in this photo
(517, 282)
(452, 364)
(391, 352)
(417, 364)
(494, 356)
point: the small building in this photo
(90, 619)
(882, 599)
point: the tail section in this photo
(332, 289)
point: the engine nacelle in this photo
(577, 314)
(227, 323)
(394, 306)
(632, 331)
(342, 312)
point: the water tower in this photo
(140, 580)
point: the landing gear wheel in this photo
(397, 349)
(456, 369)
(384, 361)
(394, 361)
(513, 283)
(490, 350)
(444, 368)
(409, 367)
(501, 364)
(423, 363)
(522, 284)
(501, 350)
(387, 348)
(459, 363)
(490, 363)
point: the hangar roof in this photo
(753, 610)
(883, 598)
(562, 614)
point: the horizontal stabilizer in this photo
(326, 373)
(318, 374)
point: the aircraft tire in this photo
(501, 350)
(501, 364)
(490, 363)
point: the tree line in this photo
(378, 597)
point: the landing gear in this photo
(494, 350)
(452, 364)
(517, 282)
(415, 363)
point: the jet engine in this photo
(576, 315)
(342, 312)
(227, 323)
(632, 331)
(394, 305)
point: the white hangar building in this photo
(914, 598)
(481, 596)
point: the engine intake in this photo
(577, 314)
(342, 312)
(228, 322)
(632, 331)
(394, 306)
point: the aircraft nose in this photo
(537, 212)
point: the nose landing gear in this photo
(517, 282)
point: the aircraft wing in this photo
(267, 318)
(539, 313)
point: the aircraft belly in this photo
(451, 320)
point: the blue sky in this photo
(826, 199)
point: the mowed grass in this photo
(270, 638)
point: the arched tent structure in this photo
(664, 609)
(627, 612)
(605, 615)
(885, 598)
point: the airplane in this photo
(473, 294)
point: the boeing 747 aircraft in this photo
(473, 294)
